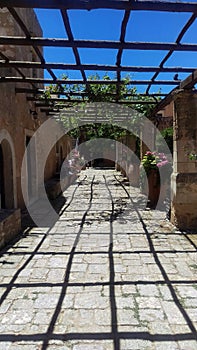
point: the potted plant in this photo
(74, 164)
(150, 182)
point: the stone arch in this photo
(8, 171)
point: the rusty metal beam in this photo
(120, 51)
(28, 36)
(64, 66)
(6, 60)
(95, 44)
(75, 93)
(68, 30)
(103, 82)
(145, 5)
(62, 105)
(169, 54)
(68, 100)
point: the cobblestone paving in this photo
(108, 275)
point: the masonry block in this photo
(10, 225)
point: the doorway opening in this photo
(6, 176)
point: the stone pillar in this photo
(184, 177)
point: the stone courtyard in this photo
(109, 275)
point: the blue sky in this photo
(105, 25)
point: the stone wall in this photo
(184, 177)
(17, 122)
(10, 225)
(15, 116)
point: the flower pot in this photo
(153, 187)
(152, 165)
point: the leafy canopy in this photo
(100, 93)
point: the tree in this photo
(101, 93)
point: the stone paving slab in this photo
(109, 275)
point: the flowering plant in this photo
(155, 174)
(154, 160)
(74, 164)
(75, 154)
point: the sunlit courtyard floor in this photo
(109, 275)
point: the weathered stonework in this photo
(19, 120)
(10, 225)
(184, 177)
(184, 204)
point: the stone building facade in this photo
(19, 120)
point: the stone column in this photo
(184, 177)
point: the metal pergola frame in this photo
(75, 45)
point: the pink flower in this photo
(160, 164)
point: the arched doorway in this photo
(6, 176)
